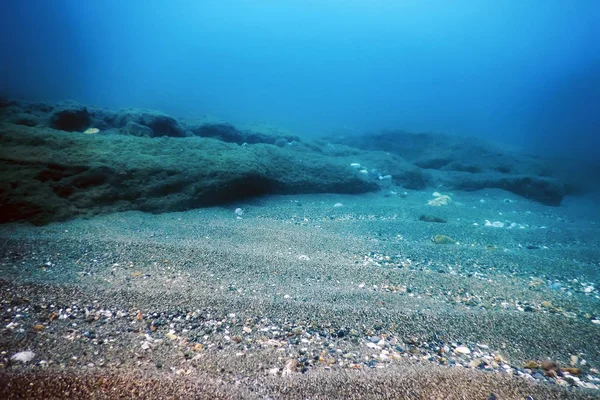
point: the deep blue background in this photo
(521, 72)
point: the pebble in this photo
(23, 356)
(462, 350)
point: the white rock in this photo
(239, 211)
(23, 356)
(355, 165)
(436, 194)
(495, 224)
(338, 205)
(462, 350)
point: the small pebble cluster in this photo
(298, 346)
(567, 288)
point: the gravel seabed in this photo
(307, 297)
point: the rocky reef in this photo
(64, 160)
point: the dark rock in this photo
(458, 163)
(230, 134)
(224, 132)
(24, 119)
(111, 174)
(548, 191)
(433, 163)
(411, 179)
(431, 218)
(71, 119)
(160, 124)
(135, 129)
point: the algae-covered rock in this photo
(71, 119)
(48, 176)
(442, 239)
(431, 218)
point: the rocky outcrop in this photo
(71, 119)
(52, 175)
(457, 163)
(150, 161)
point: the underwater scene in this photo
(299, 200)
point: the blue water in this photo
(521, 72)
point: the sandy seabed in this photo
(308, 297)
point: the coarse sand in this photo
(308, 297)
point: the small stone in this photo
(291, 366)
(247, 329)
(531, 365)
(546, 304)
(441, 200)
(375, 339)
(574, 359)
(462, 350)
(551, 373)
(38, 327)
(549, 365)
(431, 218)
(23, 356)
(442, 239)
(572, 370)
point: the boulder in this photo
(71, 119)
(160, 124)
(135, 129)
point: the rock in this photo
(462, 350)
(545, 190)
(24, 119)
(160, 124)
(71, 119)
(440, 201)
(49, 176)
(230, 134)
(431, 218)
(223, 132)
(441, 239)
(574, 360)
(135, 129)
(572, 370)
(549, 366)
(23, 356)
(531, 365)
(468, 165)
(291, 367)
